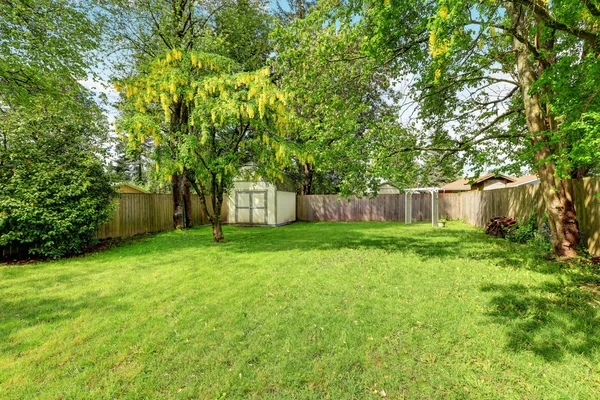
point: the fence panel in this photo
(478, 207)
(587, 205)
(138, 213)
(384, 207)
(473, 207)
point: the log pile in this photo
(498, 226)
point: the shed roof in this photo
(248, 174)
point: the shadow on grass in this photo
(46, 311)
(551, 320)
(419, 239)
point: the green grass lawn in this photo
(321, 310)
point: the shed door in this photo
(251, 207)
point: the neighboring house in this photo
(488, 182)
(491, 181)
(525, 180)
(387, 188)
(461, 185)
(129, 188)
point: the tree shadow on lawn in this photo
(423, 242)
(552, 319)
(47, 312)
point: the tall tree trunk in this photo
(187, 201)
(557, 193)
(217, 205)
(177, 187)
(307, 173)
(217, 230)
(308, 178)
(213, 213)
(140, 171)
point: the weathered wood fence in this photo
(135, 213)
(138, 213)
(384, 207)
(145, 213)
(474, 207)
(477, 207)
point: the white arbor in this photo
(435, 199)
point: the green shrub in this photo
(56, 206)
(54, 191)
(529, 231)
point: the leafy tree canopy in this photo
(507, 84)
(207, 119)
(346, 102)
(45, 44)
(54, 191)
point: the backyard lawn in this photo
(319, 310)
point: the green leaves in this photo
(45, 44)
(54, 191)
(210, 112)
(341, 63)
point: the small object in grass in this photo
(498, 226)
(382, 393)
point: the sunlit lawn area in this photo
(336, 310)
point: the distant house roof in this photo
(459, 185)
(524, 180)
(386, 183)
(492, 176)
(124, 187)
(388, 188)
(465, 184)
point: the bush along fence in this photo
(135, 213)
(474, 207)
(478, 207)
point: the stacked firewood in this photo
(498, 226)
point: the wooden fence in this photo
(477, 207)
(384, 207)
(473, 207)
(138, 213)
(135, 213)
(145, 213)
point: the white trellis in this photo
(435, 200)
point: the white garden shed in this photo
(258, 202)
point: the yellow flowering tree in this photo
(207, 119)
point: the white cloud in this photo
(106, 96)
